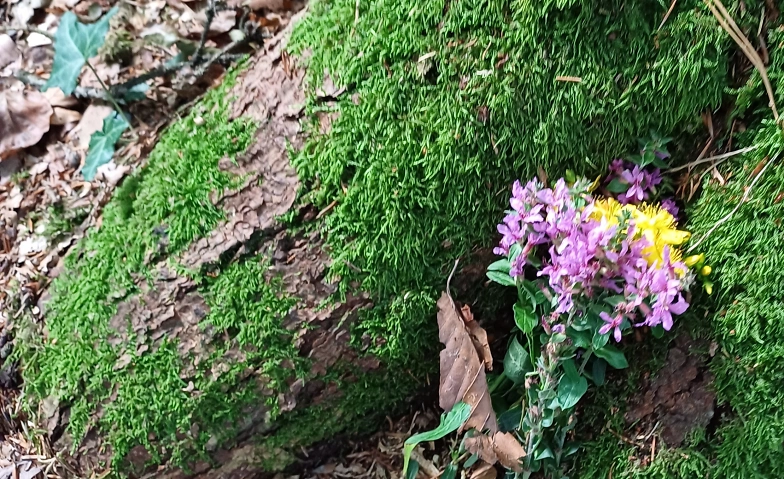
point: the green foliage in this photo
(147, 398)
(450, 422)
(74, 44)
(102, 143)
(424, 156)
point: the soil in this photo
(679, 399)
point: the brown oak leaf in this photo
(502, 447)
(462, 372)
(24, 119)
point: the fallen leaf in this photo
(92, 121)
(462, 373)
(8, 51)
(478, 337)
(63, 116)
(269, 5)
(29, 472)
(484, 471)
(24, 119)
(502, 447)
(56, 97)
(35, 39)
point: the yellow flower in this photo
(694, 259)
(653, 223)
(706, 270)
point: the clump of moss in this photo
(147, 402)
(448, 102)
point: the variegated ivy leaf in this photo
(74, 43)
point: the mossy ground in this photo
(147, 399)
(448, 102)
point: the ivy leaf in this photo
(450, 422)
(102, 143)
(571, 387)
(524, 318)
(613, 356)
(516, 362)
(74, 43)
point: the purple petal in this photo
(679, 307)
(605, 329)
(618, 335)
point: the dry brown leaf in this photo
(502, 447)
(56, 97)
(484, 471)
(270, 5)
(92, 121)
(24, 119)
(63, 116)
(462, 374)
(8, 51)
(478, 337)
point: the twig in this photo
(729, 25)
(203, 40)
(106, 89)
(713, 158)
(18, 28)
(737, 207)
(449, 280)
(667, 15)
(79, 92)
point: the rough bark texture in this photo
(270, 90)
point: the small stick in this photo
(667, 15)
(723, 156)
(737, 207)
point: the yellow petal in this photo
(674, 236)
(706, 270)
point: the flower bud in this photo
(694, 259)
(706, 270)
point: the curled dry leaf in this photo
(478, 337)
(8, 51)
(502, 447)
(24, 119)
(462, 373)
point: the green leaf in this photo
(617, 186)
(509, 420)
(471, 461)
(525, 318)
(102, 144)
(501, 278)
(658, 331)
(598, 371)
(412, 472)
(450, 472)
(450, 422)
(581, 338)
(516, 362)
(599, 340)
(74, 44)
(502, 265)
(613, 356)
(571, 387)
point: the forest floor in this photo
(694, 392)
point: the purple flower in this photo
(634, 178)
(670, 206)
(612, 322)
(617, 166)
(652, 178)
(559, 329)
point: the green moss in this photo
(426, 150)
(159, 211)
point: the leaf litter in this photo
(462, 363)
(45, 138)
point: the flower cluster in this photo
(598, 250)
(632, 183)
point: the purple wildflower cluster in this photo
(640, 183)
(589, 258)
